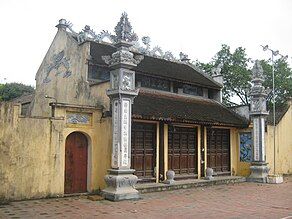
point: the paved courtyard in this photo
(244, 200)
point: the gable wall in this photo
(63, 78)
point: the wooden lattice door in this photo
(143, 153)
(182, 151)
(218, 150)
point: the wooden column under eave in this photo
(165, 143)
(161, 151)
(157, 151)
(205, 150)
(199, 152)
(202, 156)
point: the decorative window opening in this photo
(24, 108)
(192, 90)
(210, 94)
(98, 73)
(154, 83)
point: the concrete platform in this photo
(191, 183)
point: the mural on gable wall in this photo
(61, 64)
(245, 147)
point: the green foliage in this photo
(283, 81)
(10, 91)
(237, 75)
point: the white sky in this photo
(197, 28)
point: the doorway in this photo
(76, 158)
(182, 151)
(143, 154)
(218, 150)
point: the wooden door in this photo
(76, 163)
(182, 151)
(143, 152)
(218, 150)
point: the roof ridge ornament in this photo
(184, 57)
(124, 32)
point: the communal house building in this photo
(64, 134)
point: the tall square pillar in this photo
(120, 179)
(259, 169)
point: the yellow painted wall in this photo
(32, 152)
(234, 151)
(99, 135)
(283, 145)
(99, 92)
(29, 155)
(73, 89)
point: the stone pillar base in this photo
(259, 172)
(120, 185)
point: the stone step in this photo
(186, 184)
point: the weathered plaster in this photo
(283, 145)
(32, 152)
(99, 92)
(73, 88)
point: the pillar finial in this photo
(124, 31)
(257, 71)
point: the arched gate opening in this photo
(76, 159)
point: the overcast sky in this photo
(197, 28)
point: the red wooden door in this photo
(182, 151)
(143, 153)
(218, 150)
(76, 163)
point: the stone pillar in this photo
(259, 169)
(120, 180)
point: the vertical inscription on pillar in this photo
(125, 131)
(263, 150)
(256, 139)
(116, 147)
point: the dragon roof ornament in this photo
(124, 32)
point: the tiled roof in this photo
(158, 67)
(280, 112)
(170, 107)
(25, 98)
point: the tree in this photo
(10, 91)
(283, 81)
(237, 75)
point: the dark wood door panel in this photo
(182, 151)
(143, 150)
(218, 149)
(76, 163)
